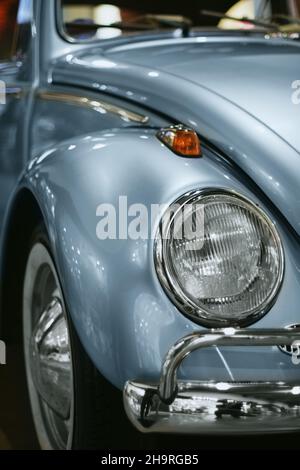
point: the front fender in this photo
(124, 319)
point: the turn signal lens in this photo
(183, 141)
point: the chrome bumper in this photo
(183, 407)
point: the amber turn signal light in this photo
(182, 140)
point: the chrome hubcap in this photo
(47, 350)
(51, 360)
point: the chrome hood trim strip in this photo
(96, 105)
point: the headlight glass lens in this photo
(223, 258)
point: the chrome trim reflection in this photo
(196, 407)
(293, 350)
(51, 359)
(204, 339)
(14, 92)
(97, 105)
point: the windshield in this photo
(91, 20)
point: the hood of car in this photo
(256, 76)
(237, 92)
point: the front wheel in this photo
(73, 406)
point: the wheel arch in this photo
(23, 216)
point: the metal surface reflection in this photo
(51, 359)
(214, 407)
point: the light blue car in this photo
(150, 217)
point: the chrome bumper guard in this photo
(195, 407)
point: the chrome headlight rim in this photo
(168, 277)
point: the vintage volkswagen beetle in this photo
(200, 334)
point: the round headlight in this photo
(220, 258)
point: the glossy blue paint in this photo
(234, 93)
(231, 90)
(18, 76)
(123, 317)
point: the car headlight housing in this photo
(220, 258)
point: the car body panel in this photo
(256, 146)
(127, 335)
(245, 73)
(60, 115)
(15, 112)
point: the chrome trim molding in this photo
(14, 92)
(227, 337)
(173, 289)
(96, 105)
(194, 407)
(293, 350)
